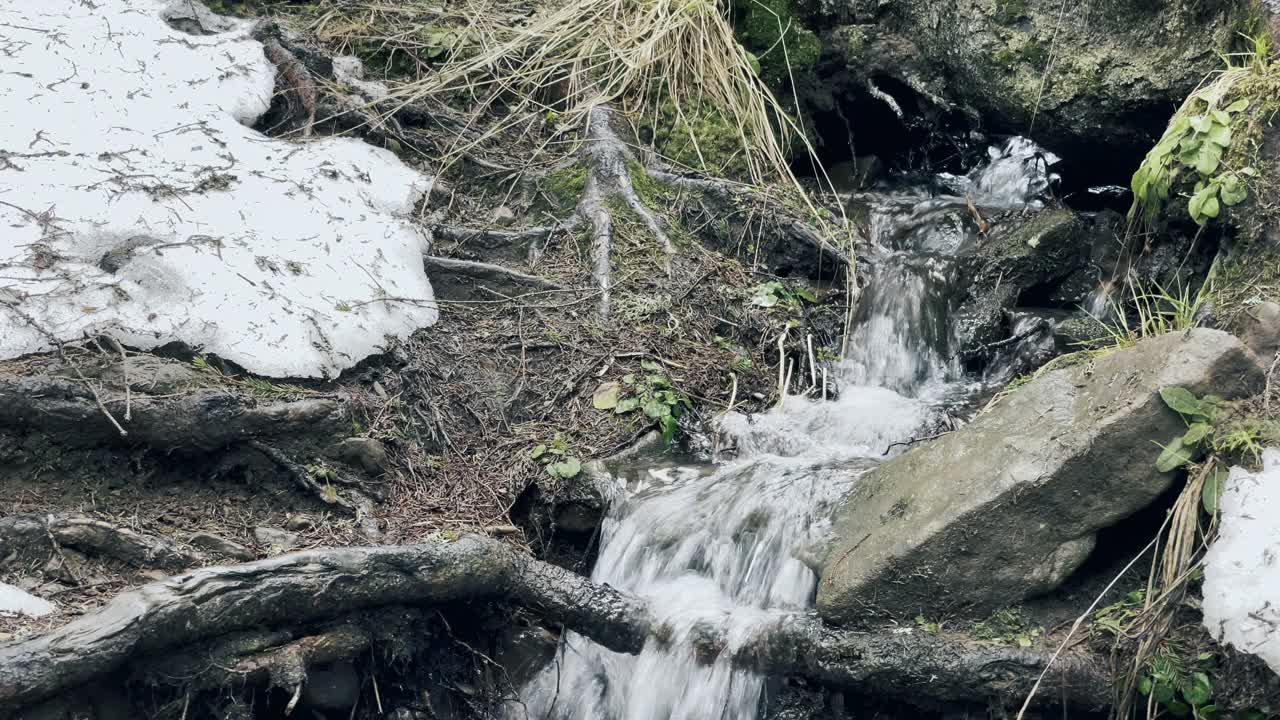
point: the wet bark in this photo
(311, 586)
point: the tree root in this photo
(488, 271)
(261, 657)
(196, 419)
(20, 534)
(310, 586)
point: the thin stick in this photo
(824, 384)
(782, 364)
(813, 363)
(733, 392)
(791, 366)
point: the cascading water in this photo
(728, 548)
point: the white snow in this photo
(16, 601)
(1242, 568)
(126, 140)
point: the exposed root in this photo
(193, 419)
(20, 534)
(295, 85)
(489, 239)
(488, 271)
(310, 586)
(264, 657)
(356, 504)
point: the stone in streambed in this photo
(1009, 506)
(275, 540)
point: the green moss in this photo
(1009, 11)
(770, 30)
(698, 137)
(565, 186)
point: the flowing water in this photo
(727, 546)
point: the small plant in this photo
(930, 628)
(322, 473)
(257, 385)
(1157, 309)
(555, 458)
(1199, 414)
(1191, 151)
(775, 293)
(1181, 690)
(653, 394)
(1114, 618)
(1006, 627)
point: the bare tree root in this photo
(356, 504)
(262, 657)
(197, 419)
(488, 271)
(22, 534)
(310, 586)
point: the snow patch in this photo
(136, 202)
(16, 601)
(1242, 568)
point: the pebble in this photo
(275, 540)
(220, 545)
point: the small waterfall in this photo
(735, 548)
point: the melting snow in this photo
(16, 601)
(1242, 568)
(137, 202)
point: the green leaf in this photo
(606, 396)
(627, 405)
(1220, 135)
(1234, 190)
(1163, 693)
(668, 425)
(651, 366)
(1211, 494)
(1196, 433)
(629, 379)
(1181, 400)
(1201, 123)
(1220, 119)
(1204, 204)
(538, 451)
(1198, 690)
(1208, 159)
(1177, 707)
(806, 294)
(1238, 105)
(1144, 684)
(1174, 456)
(656, 408)
(566, 469)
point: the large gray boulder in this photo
(1009, 506)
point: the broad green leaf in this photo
(1163, 693)
(806, 294)
(1174, 456)
(1220, 118)
(656, 409)
(1196, 433)
(606, 396)
(1220, 135)
(1198, 690)
(1250, 172)
(1208, 158)
(566, 469)
(629, 379)
(1178, 708)
(1211, 494)
(1181, 400)
(1201, 123)
(668, 425)
(1238, 105)
(627, 405)
(1234, 191)
(651, 365)
(538, 451)
(1144, 684)
(1204, 204)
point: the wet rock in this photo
(1072, 74)
(16, 601)
(275, 540)
(335, 687)
(220, 545)
(1262, 330)
(524, 651)
(299, 522)
(365, 453)
(1008, 506)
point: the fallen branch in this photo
(21, 533)
(310, 586)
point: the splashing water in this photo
(735, 549)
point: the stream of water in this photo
(727, 545)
